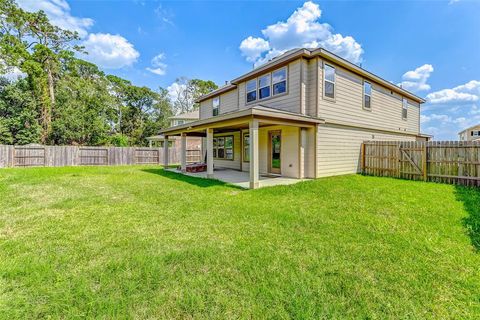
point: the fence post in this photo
(424, 162)
(363, 158)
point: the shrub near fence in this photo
(454, 162)
(59, 156)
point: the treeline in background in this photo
(58, 99)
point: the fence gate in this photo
(413, 162)
(455, 162)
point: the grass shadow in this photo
(470, 197)
(199, 182)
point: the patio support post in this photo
(302, 155)
(165, 151)
(184, 152)
(209, 153)
(253, 132)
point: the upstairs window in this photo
(216, 106)
(329, 82)
(404, 109)
(476, 133)
(251, 90)
(268, 85)
(264, 86)
(279, 81)
(367, 95)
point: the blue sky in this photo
(432, 48)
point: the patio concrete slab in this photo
(242, 179)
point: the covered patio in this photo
(241, 178)
(264, 146)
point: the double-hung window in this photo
(329, 82)
(264, 86)
(268, 85)
(279, 81)
(367, 95)
(475, 133)
(223, 147)
(216, 106)
(252, 90)
(404, 109)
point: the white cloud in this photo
(302, 29)
(175, 89)
(252, 48)
(158, 66)
(466, 93)
(416, 80)
(10, 73)
(109, 51)
(165, 15)
(58, 11)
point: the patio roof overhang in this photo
(239, 119)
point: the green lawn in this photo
(138, 242)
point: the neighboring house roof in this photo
(469, 128)
(193, 115)
(311, 53)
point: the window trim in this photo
(256, 79)
(273, 83)
(405, 107)
(369, 95)
(334, 82)
(224, 148)
(247, 92)
(217, 107)
(269, 75)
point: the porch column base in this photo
(254, 185)
(210, 175)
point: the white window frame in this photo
(216, 106)
(368, 95)
(404, 109)
(269, 76)
(274, 83)
(255, 90)
(257, 83)
(334, 82)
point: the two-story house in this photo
(303, 114)
(470, 134)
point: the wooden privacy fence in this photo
(59, 156)
(454, 162)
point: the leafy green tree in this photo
(30, 42)
(187, 91)
(18, 114)
(84, 107)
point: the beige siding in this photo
(311, 87)
(468, 134)
(386, 106)
(338, 147)
(290, 152)
(206, 109)
(231, 164)
(289, 101)
(228, 103)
